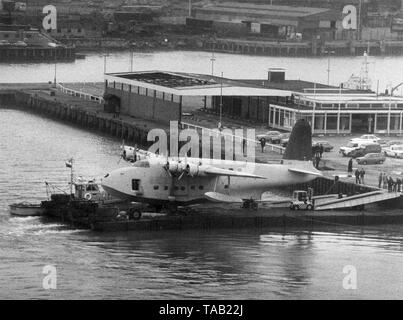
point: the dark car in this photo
(270, 136)
(365, 149)
(372, 158)
(327, 147)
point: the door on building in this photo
(363, 123)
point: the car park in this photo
(395, 151)
(270, 136)
(371, 158)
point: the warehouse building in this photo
(279, 22)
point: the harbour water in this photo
(247, 264)
(244, 264)
(386, 70)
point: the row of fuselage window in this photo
(183, 188)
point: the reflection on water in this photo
(242, 264)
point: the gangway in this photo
(357, 200)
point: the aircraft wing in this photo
(220, 197)
(224, 198)
(303, 171)
(231, 173)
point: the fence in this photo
(215, 132)
(80, 94)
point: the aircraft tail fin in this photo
(299, 145)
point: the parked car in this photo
(366, 137)
(285, 138)
(270, 136)
(393, 151)
(371, 158)
(365, 149)
(394, 142)
(327, 147)
(352, 146)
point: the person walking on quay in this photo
(263, 144)
(320, 150)
(317, 161)
(399, 184)
(380, 180)
(357, 176)
(362, 175)
(350, 167)
(385, 181)
(395, 186)
(390, 184)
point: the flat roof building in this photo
(277, 102)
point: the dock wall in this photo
(79, 116)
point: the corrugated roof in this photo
(268, 10)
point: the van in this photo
(365, 149)
(352, 146)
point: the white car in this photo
(366, 137)
(395, 151)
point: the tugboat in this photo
(86, 203)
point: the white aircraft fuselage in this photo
(150, 181)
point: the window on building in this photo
(166, 188)
(331, 122)
(320, 122)
(201, 187)
(183, 188)
(381, 122)
(192, 187)
(156, 187)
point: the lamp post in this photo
(390, 107)
(328, 52)
(212, 59)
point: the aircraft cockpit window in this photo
(142, 164)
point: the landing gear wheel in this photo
(134, 214)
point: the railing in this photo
(216, 132)
(80, 94)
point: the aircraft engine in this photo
(175, 167)
(195, 170)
